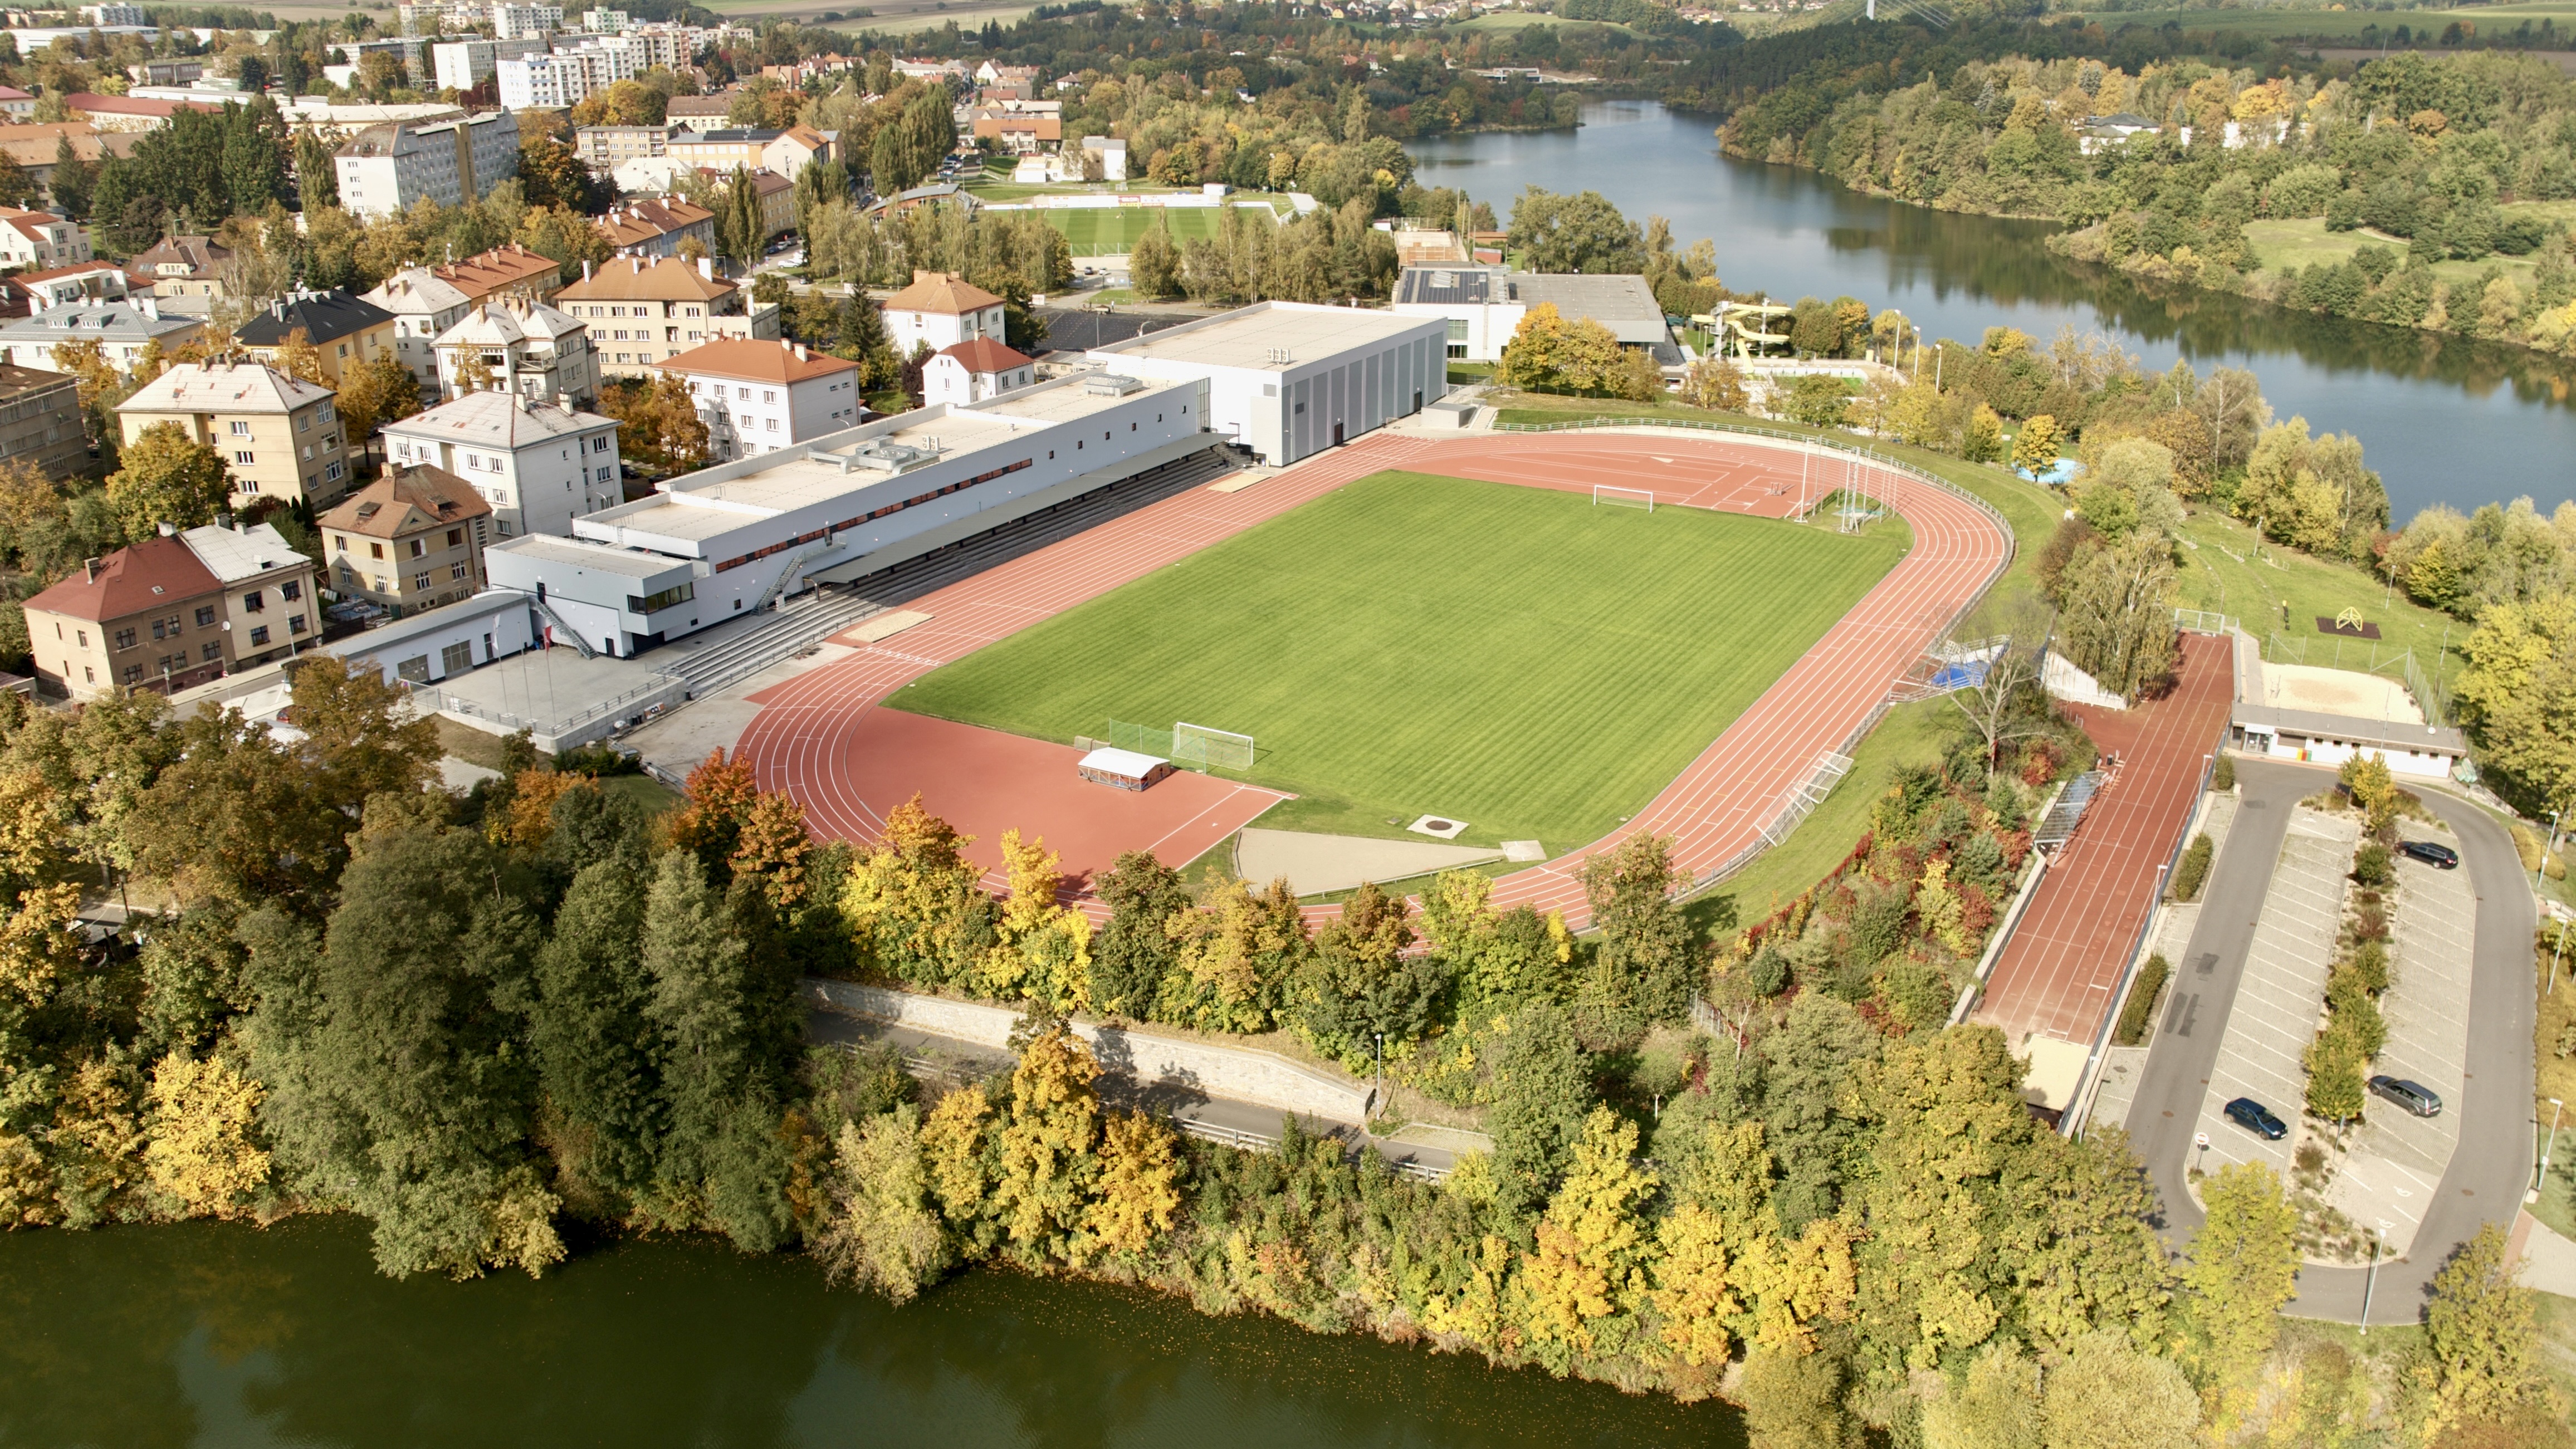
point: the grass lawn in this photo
(1098, 231)
(1511, 657)
(2225, 573)
(2283, 245)
(2272, 22)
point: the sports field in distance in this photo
(1095, 231)
(1512, 657)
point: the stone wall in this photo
(1238, 1074)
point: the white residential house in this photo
(942, 309)
(1113, 155)
(758, 397)
(41, 239)
(539, 464)
(424, 305)
(123, 330)
(527, 347)
(384, 169)
(973, 371)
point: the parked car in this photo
(2256, 1118)
(2415, 1097)
(2431, 854)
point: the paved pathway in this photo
(2397, 1158)
(2282, 995)
(2057, 976)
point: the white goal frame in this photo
(1623, 497)
(1199, 745)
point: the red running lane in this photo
(2057, 975)
(806, 737)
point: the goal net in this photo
(1200, 745)
(1623, 497)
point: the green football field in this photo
(1409, 645)
(1096, 231)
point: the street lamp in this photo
(2370, 1278)
(1381, 1073)
(2556, 1109)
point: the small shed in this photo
(1123, 769)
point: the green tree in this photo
(2036, 446)
(1542, 1086)
(168, 477)
(740, 237)
(1794, 1400)
(1809, 1067)
(72, 180)
(1579, 233)
(2521, 669)
(884, 1232)
(1359, 983)
(2111, 1394)
(1995, 1405)
(2482, 1356)
(2243, 1266)
(716, 1008)
(1154, 264)
(392, 1051)
(1136, 950)
(1646, 942)
(596, 1049)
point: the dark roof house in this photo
(324, 316)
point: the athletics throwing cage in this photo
(1618, 497)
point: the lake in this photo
(2443, 420)
(218, 1336)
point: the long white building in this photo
(1290, 379)
(384, 169)
(464, 64)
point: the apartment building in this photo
(565, 76)
(280, 436)
(69, 286)
(513, 22)
(148, 616)
(464, 64)
(604, 148)
(41, 239)
(518, 346)
(699, 114)
(411, 540)
(785, 152)
(40, 420)
(970, 372)
(942, 309)
(511, 270)
(384, 169)
(424, 305)
(759, 397)
(539, 464)
(36, 148)
(122, 330)
(183, 266)
(641, 312)
(347, 331)
(777, 202)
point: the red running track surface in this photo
(814, 735)
(2057, 975)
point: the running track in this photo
(802, 740)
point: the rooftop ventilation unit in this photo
(1279, 356)
(1110, 384)
(888, 457)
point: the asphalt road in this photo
(2492, 1163)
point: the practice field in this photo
(1098, 230)
(1512, 657)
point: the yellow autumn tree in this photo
(1047, 1144)
(529, 821)
(909, 898)
(36, 942)
(1590, 1267)
(772, 847)
(1042, 948)
(1235, 954)
(1725, 1210)
(1938, 906)
(2035, 447)
(952, 1154)
(1796, 1283)
(200, 1150)
(1476, 1311)
(1137, 1192)
(2373, 788)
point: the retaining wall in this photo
(1239, 1074)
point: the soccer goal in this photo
(1623, 497)
(1199, 745)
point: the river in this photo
(2442, 419)
(227, 1337)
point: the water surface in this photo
(2443, 420)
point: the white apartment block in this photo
(384, 169)
(464, 64)
(115, 15)
(539, 464)
(565, 77)
(759, 397)
(511, 22)
(424, 305)
(526, 347)
(606, 22)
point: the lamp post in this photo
(1381, 1073)
(2370, 1279)
(2557, 1109)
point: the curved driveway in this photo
(2492, 1164)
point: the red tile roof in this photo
(983, 354)
(756, 361)
(157, 572)
(944, 293)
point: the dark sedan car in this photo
(2415, 1097)
(2431, 854)
(2256, 1118)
